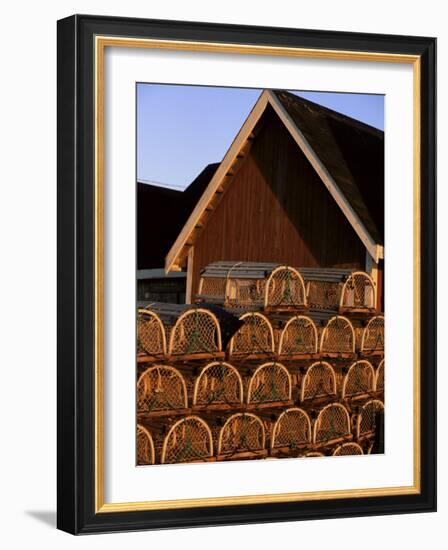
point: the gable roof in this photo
(168, 208)
(324, 137)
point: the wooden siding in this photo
(277, 210)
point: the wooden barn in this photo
(301, 185)
(155, 205)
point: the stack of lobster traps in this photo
(270, 361)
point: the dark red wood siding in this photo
(277, 209)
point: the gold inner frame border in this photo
(101, 42)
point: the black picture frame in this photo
(76, 285)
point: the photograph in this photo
(260, 274)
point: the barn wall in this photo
(277, 209)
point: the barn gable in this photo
(337, 176)
(282, 215)
(316, 225)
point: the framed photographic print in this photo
(246, 270)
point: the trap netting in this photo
(245, 292)
(151, 338)
(213, 288)
(348, 449)
(242, 432)
(358, 292)
(324, 294)
(319, 381)
(292, 429)
(333, 422)
(145, 446)
(188, 440)
(338, 336)
(285, 288)
(299, 336)
(195, 331)
(369, 417)
(218, 383)
(379, 378)
(161, 387)
(373, 335)
(256, 336)
(269, 382)
(359, 380)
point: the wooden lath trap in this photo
(369, 419)
(151, 337)
(254, 338)
(219, 385)
(348, 449)
(242, 436)
(270, 383)
(319, 382)
(358, 294)
(372, 342)
(298, 339)
(161, 388)
(291, 432)
(339, 290)
(252, 285)
(359, 382)
(145, 447)
(332, 425)
(188, 440)
(338, 337)
(194, 332)
(379, 378)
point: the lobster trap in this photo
(315, 454)
(358, 294)
(370, 419)
(332, 425)
(319, 382)
(348, 449)
(292, 431)
(151, 337)
(372, 341)
(324, 286)
(145, 447)
(242, 436)
(359, 382)
(270, 383)
(379, 377)
(254, 338)
(196, 331)
(161, 388)
(298, 338)
(188, 440)
(219, 385)
(338, 337)
(252, 285)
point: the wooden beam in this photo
(189, 291)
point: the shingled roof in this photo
(347, 155)
(353, 153)
(161, 213)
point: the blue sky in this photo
(181, 129)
